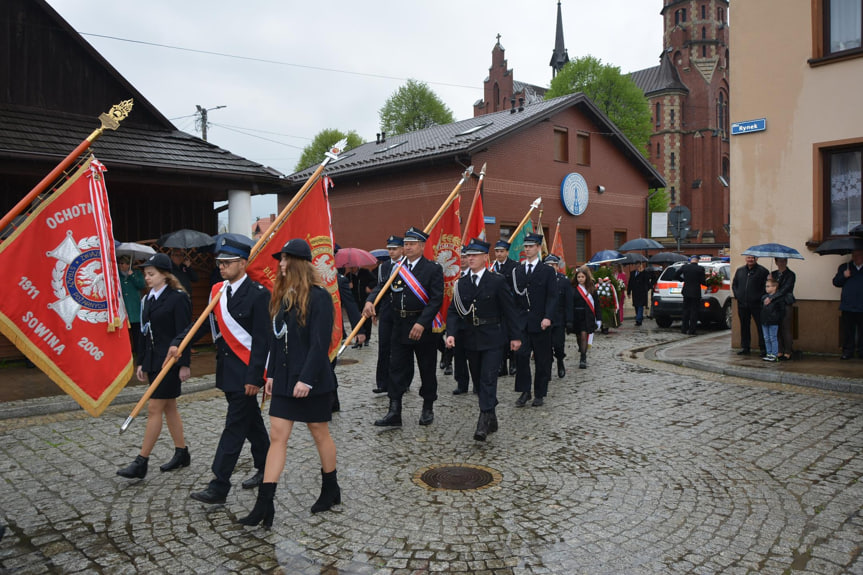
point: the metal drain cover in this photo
(457, 477)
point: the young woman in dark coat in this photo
(584, 311)
(300, 376)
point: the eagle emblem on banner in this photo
(78, 281)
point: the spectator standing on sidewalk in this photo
(849, 277)
(786, 279)
(772, 311)
(748, 287)
(638, 287)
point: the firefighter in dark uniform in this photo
(416, 296)
(504, 265)
(395, 246)
(483, 315)
(565, 294)
(535, 287)
(240, 325)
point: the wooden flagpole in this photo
(476, 197)
(110, 121)
(170, 361)
(556, 232)
(450, 199)
(536, 203)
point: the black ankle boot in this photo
(135, 470)
(583, 363)
(393, 418)
(264, 509)
(181, 459)
(331, 494)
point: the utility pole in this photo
(203, 119)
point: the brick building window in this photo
(561, 145)
(582, 246)
(673, 161)
(704, 11)
(658, 115)
(671, 117)
(837, 29)
(658, 151)
(673, 195)
(582, 149)
(842, 188)
(619, 239)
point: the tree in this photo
(314, 153)
(659, 201)
(412, 107)
(614, 93)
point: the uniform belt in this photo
(407, 313)
(484, 321)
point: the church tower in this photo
(559, 57)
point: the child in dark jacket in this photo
(772, 312)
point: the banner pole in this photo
(536, 203)
(110, 121)
(450, 199)
(476, 196)
(170, 361)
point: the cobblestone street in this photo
(632, 466)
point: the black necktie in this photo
(529, 269)
(497, 267)
(228, 291)
(475, 279)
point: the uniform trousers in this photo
(460, 367)
(243, 421)
(538, 344)
(484, 365)
(385, 332)
(558, 340)
(690, 313)
(402, 362)
(746, 315)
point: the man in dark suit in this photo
(395, 247)
(562, 313)
(535, 288)
(416, 296)
(504, 265)
(849, 277)
(483, 316)
(638, 288)
(748, 286)
(692, 276)
(240, 325)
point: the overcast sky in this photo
(334, 64)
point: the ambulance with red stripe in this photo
(667, 302)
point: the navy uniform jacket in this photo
(693, 277)
(301, 354)
(168, 315)
(564, 301)
(494, 321)
(540, 299)
(249, 307)
(505, 268)
(430, 276)
(384, 311)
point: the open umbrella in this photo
(857, 231)
(632, 258)
(354, 257)
(134, 251)
(667, 258)
(840, 246)
(605, 256)
(640, 244)
(382, 254)
(185, 239)
(772, 251)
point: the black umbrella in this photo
(667, 258)
(840, 246)
(857, 231)
(632, 258)
(185, 239)
(640, 244)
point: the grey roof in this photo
(33, 133)
(659, 78)
(470, 136)
(532, 92)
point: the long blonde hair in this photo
(292, 288)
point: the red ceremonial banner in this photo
(475, 227)
(557, 247)
(444, 247)
(312, 221)
(63, 307)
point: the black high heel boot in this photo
(135, 470)
(331, 493)
(264, 510)
(181, 458)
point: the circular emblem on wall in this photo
(573, 193)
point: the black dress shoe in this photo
(379, 390)
(538, 402)
(492, 422)
(255, 480)
(502, 372)
(844, 356)
(459, 391)
(447, 370)
(692, 332)
(482, 426)
(135, 470)
(512, 369)
(393, 418)
(522, 399)
(743, 352)
(763, 354)
(561, 370)
(427, 416)
(180, 459)
(209, 496)
(442, 364)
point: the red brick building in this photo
(384, 187)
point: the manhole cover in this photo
(457, 477)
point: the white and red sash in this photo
(418, 290)
(587, 298)
(237, 338)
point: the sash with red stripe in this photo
(418, 290)
(237, 338)
(586, 298)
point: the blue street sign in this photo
(489, 219)
(738, 128)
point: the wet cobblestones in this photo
(630, 467)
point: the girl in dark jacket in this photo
(584, 311)
(300, 377)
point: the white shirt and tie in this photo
(530, 265)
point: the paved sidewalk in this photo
(633, 466)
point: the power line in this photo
(265, 132)
(256, 136)
(266, 61)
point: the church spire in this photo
(559, 57)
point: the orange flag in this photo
(557, 245)
(312, 221)
(475, 226)
(444, 247)
(63, 306)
